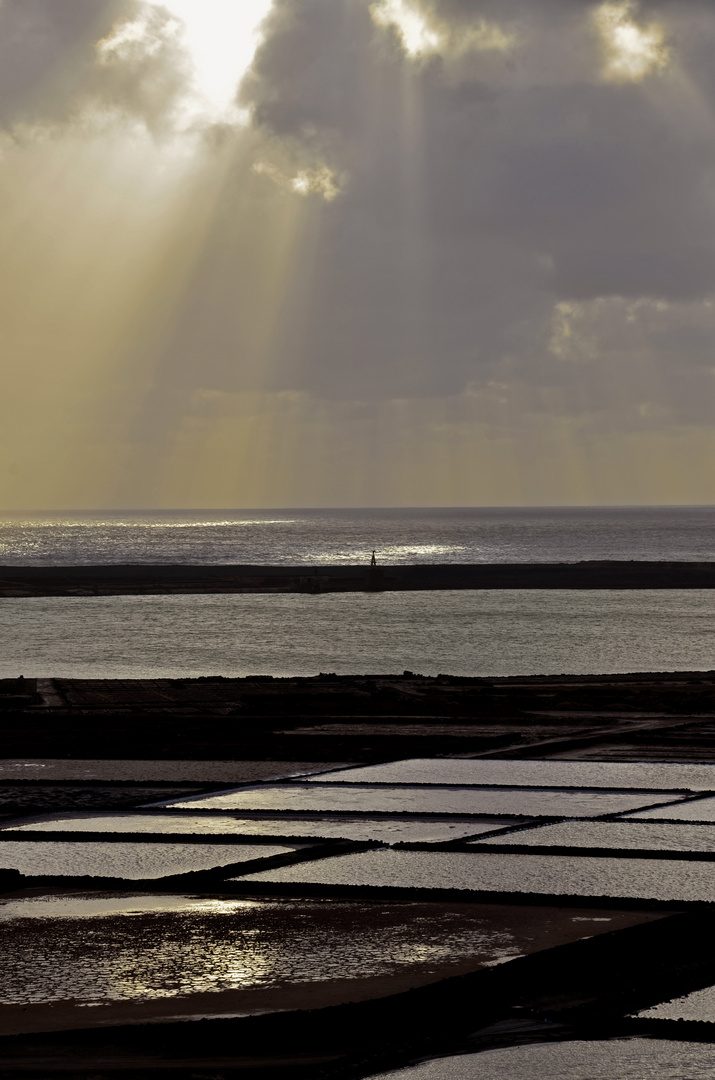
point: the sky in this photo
(283, 253)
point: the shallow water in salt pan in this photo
(582, 774)
(691, 810)
(613, 1059)
(421, 800)
(129, 861)
(384, 830)
(624, 835)
(553, 875)
(698, 1006)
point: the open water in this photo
(469, 633)
(295, 537)
(487, 632)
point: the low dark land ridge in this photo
(133, 579)
(667, 716)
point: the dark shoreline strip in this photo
(140, 579)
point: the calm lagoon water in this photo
(488, 632)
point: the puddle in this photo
(128, 861)
(101, 948)
(691, 810)
(611, 1059)
(581, 774)
(227, 945)
(698, 1006)
(420, 800)
(229, 772)
(625, 835)
(550, 875)
(383, 830)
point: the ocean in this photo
(490, 632)
(295, 537)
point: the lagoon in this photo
(476, 633)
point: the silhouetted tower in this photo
(374, 575)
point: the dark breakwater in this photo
(107, 580)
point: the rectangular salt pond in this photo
(383, 830)
(690, 810)
(698, 1006)
(131, 862)
(221, 772)
(647, 776)
(604, 1059)
(367, 799)
(624, 835)
(548, 875)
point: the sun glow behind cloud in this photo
(421, 37)
(415, 33)
(632, 51)
(221, 38)
(318, 181)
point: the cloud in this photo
(142, 68)
(502, 214)
(47, 53)
(632, 50)
(319, 181)
(68, 60)
(477, 198)
(424, 32)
